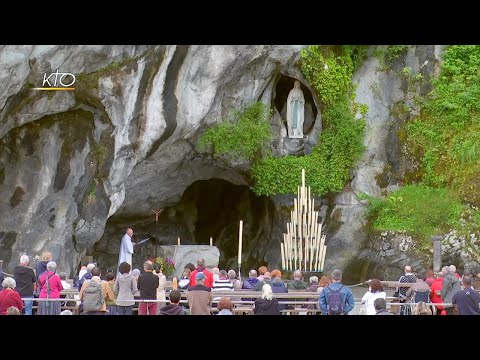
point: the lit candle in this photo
(211, 241)
(240, 231)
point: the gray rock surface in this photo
(122, 143)
(78, 167)
(184, 254)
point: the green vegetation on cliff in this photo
(447, 133)
(421, 211)
(446, 139)
(245, 135)
(329, 69)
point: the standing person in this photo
(199, 296)
(111, 304)
(436, 294)
(147, 284)
(126, 248)
(375, 291)
(409, 277)
(162, 283)
(266, 304)
(190, 266)
(86, 276)
(42, 264)
(450, 286)
(26, 280)
(95, 293)
(50, 287)
(323, 283)
(125, 287)
(9, 297)
(467, 300)
(336, 299)
(201, 268)
(430, 277)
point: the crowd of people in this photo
(117, 292)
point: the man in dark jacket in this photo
(467, 300)
(25, 279)
(174, 308)
(147, 284)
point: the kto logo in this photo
(57, 81)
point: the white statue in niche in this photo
(295, 111)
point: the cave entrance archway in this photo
(207, 208)
(215, 208)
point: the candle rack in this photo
(303, 245)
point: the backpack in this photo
(335, 301)
(46, 282)
(93, 298)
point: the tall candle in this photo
(211, 241)
(283, 256)
(240, 231)
(178, 241)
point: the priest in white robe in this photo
(126, 248)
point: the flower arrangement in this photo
(167, 265)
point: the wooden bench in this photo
(243, 310)
(301, 311)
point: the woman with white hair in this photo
(9, 297)
(50, 287)
(266, 304)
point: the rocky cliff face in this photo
(76, 167)
(119, 145)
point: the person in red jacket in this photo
(9, 297)
(435, 296)
(206, 272)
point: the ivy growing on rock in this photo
(329, 69)
(446, 139)
(245, 135)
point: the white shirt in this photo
(369, 298)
